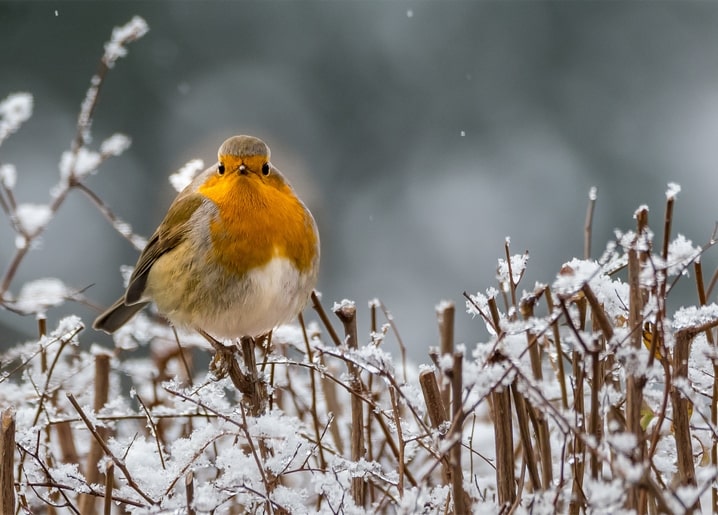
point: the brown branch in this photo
(317, 305)
(588, 224)
(118, 462)
(7, 461)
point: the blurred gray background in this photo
(421, 134)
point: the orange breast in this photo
(258, 220)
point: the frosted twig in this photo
(317, 305)
(72, 167)
(153, 428)
(588, 224)
(120, 464)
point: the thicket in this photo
(590, 394)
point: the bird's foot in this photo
(223, 359)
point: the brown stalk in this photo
(432, 397)
(118, 462)
(87, 502)
(537, 417)
(681, 426)
(189, 491)
(714, 404)
(7, 461)
(317, 305)
(523, 420)
(559, 352)
(578, 445)
(600, 318)
(445, 317)
(587, 227)
(312, 379)
(461, 499)
(109, 486)
(400, 436)
(347, 315)
(634, 382)
(501, 403)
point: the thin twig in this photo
(120, 464)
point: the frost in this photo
(32, 217)
(681, 253)
(8, 176)
(66, 326)
(673, 190)
(36, 296)
(115, 145)
(344, 304)
(14, 111)
(183, 177)
(131, 31)
(574, 275)
(518, 267)
(79, 164)
(639, 210)
(693, 317)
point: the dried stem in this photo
(317, 305)
(714, 404)
(102, 389)
(681, 426)
(445, 315)
(347, 315)
(7, 461)
(457, 424)
(118, 462)
(109, 486)
(588, 224)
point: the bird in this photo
(236, 255)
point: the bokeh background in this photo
(421, 134)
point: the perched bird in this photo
(236, 255)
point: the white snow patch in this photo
(115, 47)
(8, 176)
(37, 296)
(32, 217)
(673, 190)
(115, 145)
(14, 111)
(183, 177)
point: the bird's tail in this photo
(117, 315)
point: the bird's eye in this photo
(220, 169)
(265, 169)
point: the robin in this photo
(236, 255)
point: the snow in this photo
(40, 294)
(115, 145)
(681, 254)
(344, 304)
(15, 109)
(79, 164)
(443, 305)
(131, 31)
(518, 267)
(673, 190)
(574, 275)
(32, 217)
(8, 176)
(693, 316)
(183, 177)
